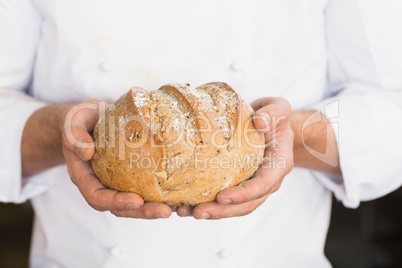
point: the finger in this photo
(101, 198)
(278, 156)
(79, 121)
(270, 113)
(251, 189)
(147, 211)
(78, 141)
(277, 163)
(267, 101)
(107, 199)
(185, 211)
(86, 114)
(213, 210)
(95, 193)
(279, 149)
(269, 117)
(262, 122)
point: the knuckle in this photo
(77, 132)
(268, 100)
(96, 207)
(286, 104)
(283, 103)
(276, 189)
(275, 111)
(242, 196)
(94, 202)
(148, 213)
(90, 197)
(92, 100)
(264, 198)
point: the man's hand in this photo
(272, 119)
(44, 142)
(78, 149)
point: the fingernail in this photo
(205, 216)
(266, 119)
(132, 206)
(226, 202)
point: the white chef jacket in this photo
(344, 55)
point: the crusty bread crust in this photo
(177, 145)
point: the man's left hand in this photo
(272, 119)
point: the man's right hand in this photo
(78, 148)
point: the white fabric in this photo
(365, 66)
(303, 51)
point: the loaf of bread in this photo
(177, 145)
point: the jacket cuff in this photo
(15, 109)
(367, 130)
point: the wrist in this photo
(64, 110)
(315, 145)
(41, 144)
(296, 119)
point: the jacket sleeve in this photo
(20, 32)
(364, 39)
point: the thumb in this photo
(78, 141)
(262, 121)
(270, 112)
(77, 122)
(86, 147)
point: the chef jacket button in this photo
(115, 251)
(224, 253)
(106, 66)
(235, 66)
